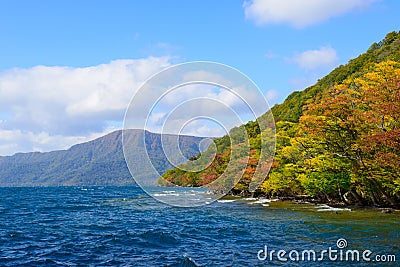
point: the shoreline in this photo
(300, 199)
(334, 206)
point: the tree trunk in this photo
(360, 200)
(382, 191)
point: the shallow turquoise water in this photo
(122, 226)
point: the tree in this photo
(359, 127)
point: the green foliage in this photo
(248, 133)
(387, 49)
(357, 133)
(338, 140)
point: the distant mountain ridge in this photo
(97, 162)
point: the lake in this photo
(123, 226)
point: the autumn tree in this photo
(357, 125)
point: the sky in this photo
(68, 69)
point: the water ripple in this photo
(122, 226)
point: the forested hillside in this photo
(98, 162)
(337, 141)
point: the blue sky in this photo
(69, 68)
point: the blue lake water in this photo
(122, 226)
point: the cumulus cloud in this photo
(178, 107)
(206, 128)
(45, 108)
(300, 13)
(324, 57)
(12, 141)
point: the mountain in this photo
(336, 141)
(387, 49)
(98, 162)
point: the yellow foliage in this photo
(378, 75)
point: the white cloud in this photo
(228, 107)
(271, 95)
(47, 108)
(157, 118)
(51, 108)
(178, 107)
(300, 13)
(324, 57)
(202, 128)
(12, 141)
